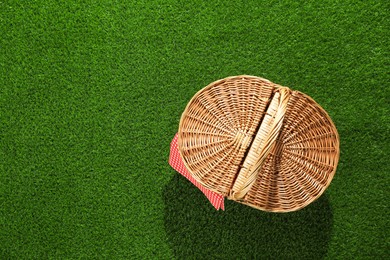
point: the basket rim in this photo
(325, 115)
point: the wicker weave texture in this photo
(258, 143)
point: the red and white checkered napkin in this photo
(177, 163)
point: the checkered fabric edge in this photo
(176, 162)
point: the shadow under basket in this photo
(259, 143)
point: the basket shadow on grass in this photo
(196, 230)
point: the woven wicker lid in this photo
(259, 143)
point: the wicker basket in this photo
(259, 143)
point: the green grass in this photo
(91, 94)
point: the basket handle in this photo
(262, 145)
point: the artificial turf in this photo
(91, 94)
